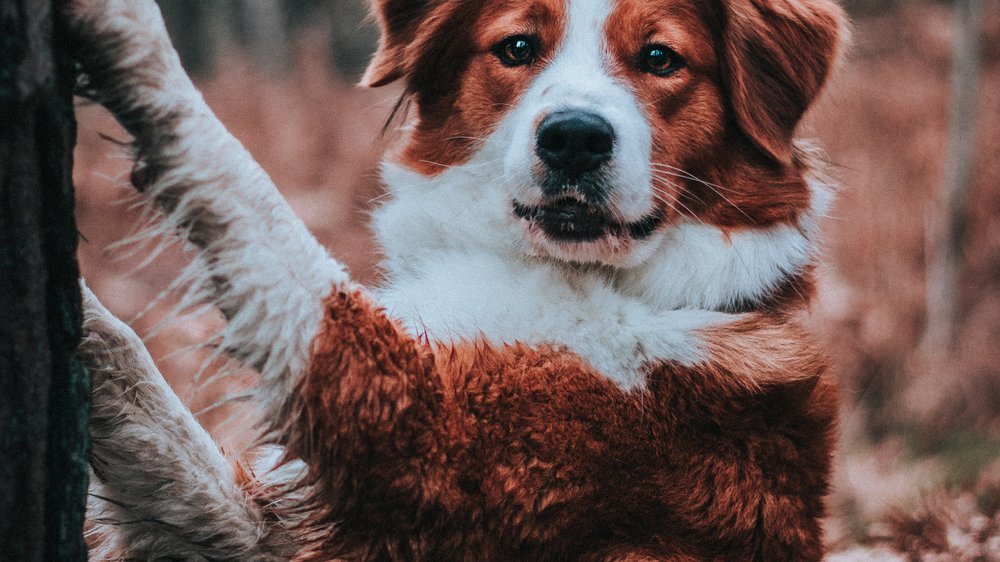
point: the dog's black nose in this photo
(574, 142)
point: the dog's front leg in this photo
(257, 261)
(165, 489)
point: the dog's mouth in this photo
(569, 219)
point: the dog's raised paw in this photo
(118, 42)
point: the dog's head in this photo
(611, 120)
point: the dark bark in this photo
(44, 391)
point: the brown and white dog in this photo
(600, 236)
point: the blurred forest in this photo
(921, 419)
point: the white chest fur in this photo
(457, 270)
(507, 300)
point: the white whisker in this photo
(715, 188)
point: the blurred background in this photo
(909, 301)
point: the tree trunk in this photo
(945, 252)
(44, 391)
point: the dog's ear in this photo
(777, 55)
(399, 21)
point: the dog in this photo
(599, 244)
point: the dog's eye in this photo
(659, 60)
(518, 50)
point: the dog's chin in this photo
(570, 229)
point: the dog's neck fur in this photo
(458, 268)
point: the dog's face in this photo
(615, 118)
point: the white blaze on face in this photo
(579, 78)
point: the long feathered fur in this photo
(416, 447)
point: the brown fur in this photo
(430, 451)
(461, 93)
(727, 119)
